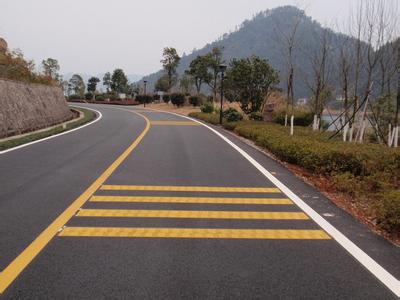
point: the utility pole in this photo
(144, 100)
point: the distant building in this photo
(302, 101)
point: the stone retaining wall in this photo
(25, 107)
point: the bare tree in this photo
(320, 73)
(288, 40)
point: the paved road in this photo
(151, 206)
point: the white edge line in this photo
(99, 116)
(370, 264)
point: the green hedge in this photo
(370, 173)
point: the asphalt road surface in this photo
(149, 205)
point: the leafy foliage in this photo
(256, 116)
(166, 98)
(232, 115)
(51, 67)
(77, 85)
(198, 70)
(162, 84)
(249, 81)
(170, 62)
(207, 107)
(92, 84)
(144, 98)
(119, 81)
(178, 99)
(14, 66)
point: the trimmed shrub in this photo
(207, 108)
(89, 96)
(166, 98)
(368, 173)
(256, 116)
(210, 118)
(301, 118)
(75, 97)
(389, 211)
(156, 97)
(144, 98)
(195, 100)
(100, 97)
(232, 115)
(178, 99)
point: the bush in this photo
(178, 99)
(113, 96)
(232, 115)
(256, 116)
(100, 97)
(195, 100)
(144, 98)
(156, 97)
(210, 118)
(301, 118)
(389, 211)
(75, 97)
(368, 173)
(89, 96)
(207, 108)
(166, 98)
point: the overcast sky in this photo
(95, 36)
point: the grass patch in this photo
(89, 115)
(368, 173)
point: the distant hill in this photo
(262, 36)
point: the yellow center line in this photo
(195, 233)
(29, 253)
(175, 123)
(203, 200)
(189, 189)
(195, 214)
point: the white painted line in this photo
(377, 270)
(99, 116)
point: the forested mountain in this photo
(265, 35)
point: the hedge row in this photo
(367, 172)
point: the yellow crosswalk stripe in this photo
(189, 189)
(194, 233)
(196, 214)
(202, 200)
(175, 123)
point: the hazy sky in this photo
(94, 36)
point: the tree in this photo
(250, 81)
(170, 62)
(51, 67)
(119, 81)
(185, 83)
(198, 70)
(214, 60)
(77, 85)
(162, 84)
(107, 81)
(320, 75)
(92, 84)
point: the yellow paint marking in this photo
(195, 233)
(203, 200)
(188, 189)
(175, 123)
(195, 214)
(26, 256)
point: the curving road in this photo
(149, 205)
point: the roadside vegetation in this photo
(369, 174)
(88, 116)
